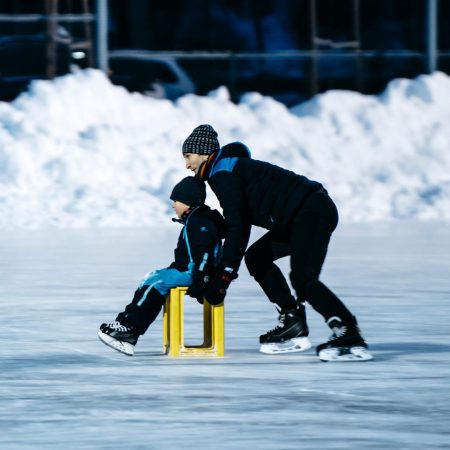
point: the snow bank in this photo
(80, 152)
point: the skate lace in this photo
(338, 332)
(281, 319)
(117, 326)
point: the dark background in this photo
(363, 44)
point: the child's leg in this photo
(143, 310)
(150, 297)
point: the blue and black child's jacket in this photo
(199, 243)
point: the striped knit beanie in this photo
(203, 141)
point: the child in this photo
(196, 258)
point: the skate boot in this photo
(345, 344)
(120, 337)
(291, 334)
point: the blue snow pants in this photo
(150, 297)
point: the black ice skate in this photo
(291, 335)
(345, 344)
(119, 337)
(104, 326)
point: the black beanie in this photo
(190, 190)
(203, 141)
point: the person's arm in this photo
(177, 253)
(231, 196)
(202, 237)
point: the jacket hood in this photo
(233, 150)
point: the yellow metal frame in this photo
(173, 328)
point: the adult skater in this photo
(300, 217)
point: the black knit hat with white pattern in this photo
(203, 141)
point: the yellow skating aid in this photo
(173, 328)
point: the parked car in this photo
(23, 58)
(153, 75)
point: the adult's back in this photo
(253, 192)
(273, 194)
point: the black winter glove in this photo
(216, 289)
(197, 288)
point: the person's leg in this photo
(311, 233)
(259, 259)
(143, 309)
(150, 297)
(291, 333)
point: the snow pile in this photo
(80, 152)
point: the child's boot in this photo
(120, 337)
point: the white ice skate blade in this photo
(120, 346)
(299, 344)
(345, 354)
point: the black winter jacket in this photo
(200, 239)
(252, 192)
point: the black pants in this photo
(306, 242)
(143, 309)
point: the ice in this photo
(61, 388)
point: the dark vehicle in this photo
(23, 58)
(152, 75)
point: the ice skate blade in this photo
(345, 354)
(122, 347)
(299, 344)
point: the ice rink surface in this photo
(61, 388)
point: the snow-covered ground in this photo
(80, 152)
(61, 388)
